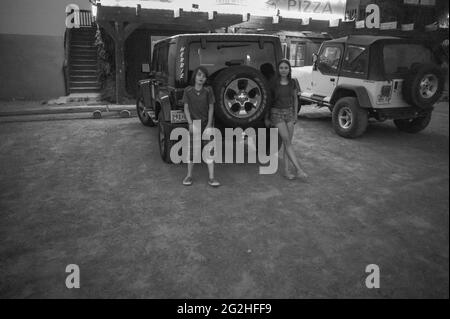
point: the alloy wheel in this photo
(242, 97)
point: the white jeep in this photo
(362, 77)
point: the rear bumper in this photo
(399, 113)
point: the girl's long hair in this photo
(277, 78)
(194, 74)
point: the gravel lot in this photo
(95, 193)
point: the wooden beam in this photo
(108, 27)
(166, 17)
(130, 28)
(173, 29)
(120, 61)
(285, 24)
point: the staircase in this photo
(83, 61)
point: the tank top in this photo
(283, 95)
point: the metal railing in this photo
(83, 18)
(86, 18)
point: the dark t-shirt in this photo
(198, 102)
(283, 95)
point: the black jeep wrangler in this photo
(240, 67)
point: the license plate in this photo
(151, 114)
(177, 116)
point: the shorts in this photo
(201, 142)
(278, 115)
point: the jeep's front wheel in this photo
(140, 110)
(165, 143)
(414, 125)
(243, 96)
(349, 119)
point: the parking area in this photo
(96, 193)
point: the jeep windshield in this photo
(218, 55)
(399, 58)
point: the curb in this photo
(83, 109)
(69, 110)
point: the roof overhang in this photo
(186, 21)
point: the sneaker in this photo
(213, 182)
(187, 181)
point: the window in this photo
(163, 62)
(155, 58)
(329, 58)
(399, 58)
(355, 60)
(172, 56)
(218, 55)
(160, 61)
(297, 54)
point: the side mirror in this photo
(145, 68)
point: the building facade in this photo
(418, 12)
(33, 45)
(32, 48)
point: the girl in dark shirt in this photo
(283, 115)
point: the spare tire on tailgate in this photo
(242, 96)
(424, 85)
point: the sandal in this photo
(301, 174)
(289, 176)
(187, 181)
(213, 182)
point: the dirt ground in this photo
(95, 193)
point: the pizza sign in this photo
(315, 9)
(306, 7)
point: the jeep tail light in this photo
(178, 95)
(172, 97)
(386, 91)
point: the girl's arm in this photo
(210, 115)
(267, 116)
(295, 104)
(211, 101)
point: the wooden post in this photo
(119, 44)
(119, 33)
